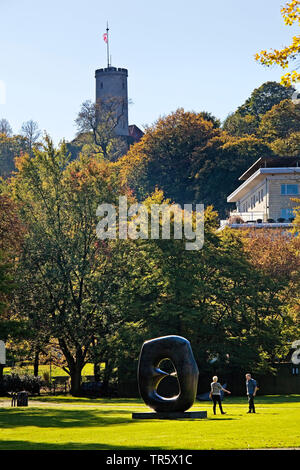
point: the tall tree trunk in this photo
(97, 371)
(76, 380)
(106, 378)
(36, 364)
(75, 366)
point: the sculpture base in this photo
(171, 415)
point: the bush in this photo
(235, 219)
(18, 383)
(46, 377)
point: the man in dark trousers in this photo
(251, 387)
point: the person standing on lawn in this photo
(251, 387)
(215, 394)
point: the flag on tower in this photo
(105, 37)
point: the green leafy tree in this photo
(164, 156)
(226, 306)
(10, 147)
(246, 119)
(12, 327)
(189, 160)
(210, 118)
(281, 121)
(64, 283)
(263, 98)
(218, 165)
(240, 125)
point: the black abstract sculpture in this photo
(178, 350)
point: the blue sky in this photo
(193, 54)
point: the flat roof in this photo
(256, 177)
(271, 162)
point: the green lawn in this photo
(68, 423)
(55, 370)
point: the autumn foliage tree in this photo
(246, 119)
(281, 121)
(63, 280)
(12, 232)
(288, 54)
(10, 147)
(164, 156)
(189, 159)
(277, 255)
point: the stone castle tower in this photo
(111, 88)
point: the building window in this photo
(295, 371)
(287, 213)
(101, 85)
(289, 189)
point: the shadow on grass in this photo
(263, 399)
(83, 400)
(27, 445)
(57, 418)
(222, 419)
(277, 399)
(260, 399)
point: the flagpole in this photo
(107, 44)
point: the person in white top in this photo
(215, 394)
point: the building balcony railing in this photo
(249, 216)
(256, 219)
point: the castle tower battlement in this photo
(111, 84)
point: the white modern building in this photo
(266, 194)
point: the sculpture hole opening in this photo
(168, 386)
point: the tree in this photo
(285, 56)
(11, 228)
(276, 254)
(270, 115)
(227, 307)
(241, 125)
(63, 276)
(297, 215)
(12, 327)
(288, 146)
(30, 130)
(210, 118)
(5, 127)
(164, 156)
(5, 288)
(189, 159)
(263, 98)
(10, 147)
(99, 121)
(219, 164)
(281, 121)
